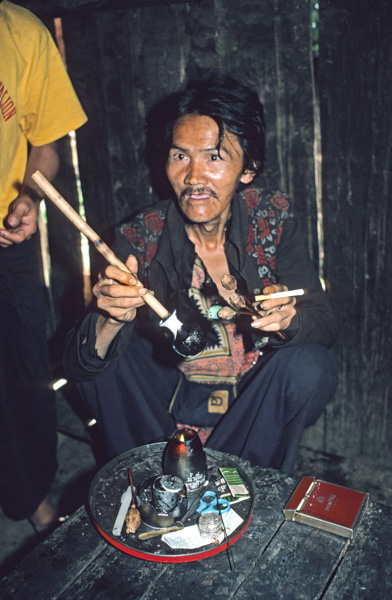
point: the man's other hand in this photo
(20, 223)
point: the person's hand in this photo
(118, 296)
(276, 314)
(20, 223)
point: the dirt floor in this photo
(79, 461)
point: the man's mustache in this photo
(197, 190)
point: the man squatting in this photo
(251, 392)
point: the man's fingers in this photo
(20, 209)
(119, 276)
(276, 304)
(14, 237)
(122, 276)
(276, 318)
(131, 264)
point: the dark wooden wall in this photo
(125, 56)
(356, 119)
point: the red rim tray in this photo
(111, 481)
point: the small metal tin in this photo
(210, 525)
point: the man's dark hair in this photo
(233, 106)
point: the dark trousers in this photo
(27, 406)
(286, 391)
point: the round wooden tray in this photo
(111, 481)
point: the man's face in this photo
(203, 178)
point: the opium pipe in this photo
(90, 234)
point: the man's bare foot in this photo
(45, 515)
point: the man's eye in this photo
(215, 157)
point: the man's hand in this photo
(117, 294)
(21, 222)
(118, 298)
(275, 314)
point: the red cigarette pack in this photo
(327, 506)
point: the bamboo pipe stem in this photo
(91, 235)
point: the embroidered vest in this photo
(267, 213)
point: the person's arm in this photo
(21, 221)
(101, 336)
(81, 360)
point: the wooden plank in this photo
(274, 559)
(297, 564)
(114, 574)
(47, 571)
(280, 577)
(366, 572)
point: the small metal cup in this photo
(166, 491)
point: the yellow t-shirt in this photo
(37, 101)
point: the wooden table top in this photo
(273, 558)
